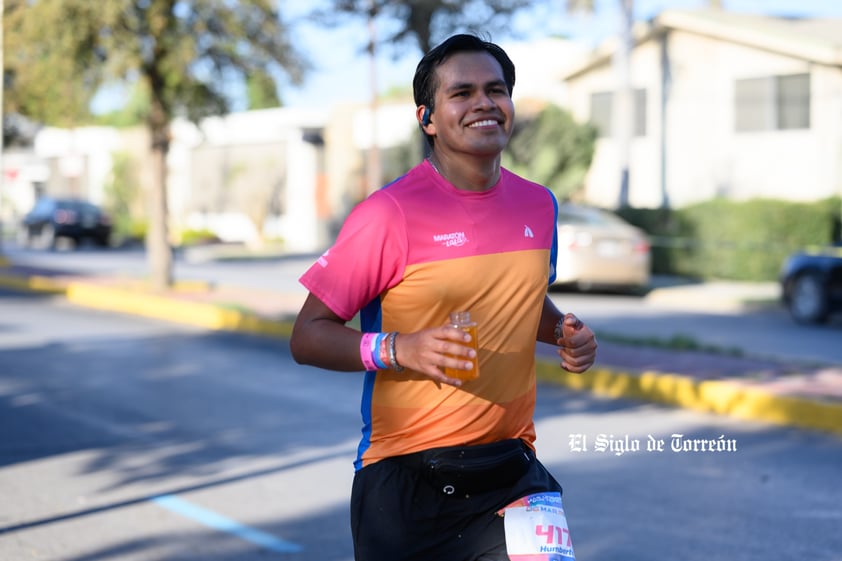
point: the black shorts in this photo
(402, 512)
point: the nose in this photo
(485, 101)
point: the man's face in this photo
(473, 113)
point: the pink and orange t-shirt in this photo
(413, 252)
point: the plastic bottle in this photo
(462, 320)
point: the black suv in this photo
(811, 283)
(54, 218)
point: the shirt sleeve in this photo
(369, 257)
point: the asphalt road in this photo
(136, 440)
(763, 332)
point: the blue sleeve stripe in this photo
(371, 320)
(554, 248)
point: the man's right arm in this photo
(321, 338)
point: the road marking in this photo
(223, 524)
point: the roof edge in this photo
(694, 22)
(789, 44)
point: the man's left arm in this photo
(575, 340)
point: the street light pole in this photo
(2, 115)
(624, 105)
(373, 171)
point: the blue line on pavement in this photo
(223, 524)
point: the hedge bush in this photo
(734, 240)
(200, 236)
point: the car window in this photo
(571, 218)
(588, 216)
(43, 206)
(609, 218)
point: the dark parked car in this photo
(811, 284)
(54, 218)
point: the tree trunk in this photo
(158, 250)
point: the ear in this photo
(422, 113)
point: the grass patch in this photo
(678, 342)
(235, 307)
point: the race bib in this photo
(536, 529)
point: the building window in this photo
(602, 111)
(639, 113)
(773, 103)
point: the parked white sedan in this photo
(598, 249)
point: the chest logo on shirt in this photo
(453, 239)
(527, 232)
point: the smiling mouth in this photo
(485, 123)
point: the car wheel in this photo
(24, 237)
(808, 299)
(47, 237)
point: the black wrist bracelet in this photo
(393, 355)
(557, 331)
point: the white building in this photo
(227, 175)
(727, 105)
(233, 173)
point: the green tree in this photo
(134, 111)
(426, 22)
(122, 195)
(184, 53)
(49, 69)
(551, 148)
(262, 92)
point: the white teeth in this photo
(483, 123)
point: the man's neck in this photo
(468, 173)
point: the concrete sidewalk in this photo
(797, 395)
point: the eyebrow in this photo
(471, 85)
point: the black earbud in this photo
(425, 118)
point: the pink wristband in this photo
(365, 351)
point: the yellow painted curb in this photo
(32, 284)
(208, 316)
(712, 396)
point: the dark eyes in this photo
(493, 91)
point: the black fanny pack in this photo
(466, 470)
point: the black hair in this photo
(424, 83)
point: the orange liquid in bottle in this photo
(468, 326)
